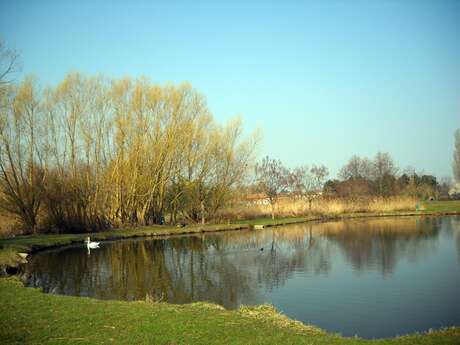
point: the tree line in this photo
(272, 179)
(93, 152)
(360, 177)
(380, 176)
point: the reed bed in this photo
(288, 207)
(8, 226)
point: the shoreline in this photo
(31, 244)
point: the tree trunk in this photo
(174, 215)
(202, 213)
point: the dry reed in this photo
(288, 207)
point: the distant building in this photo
(263, 199)
(257, 199)
(454, 192)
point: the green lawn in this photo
(28, 316)
(441, 206)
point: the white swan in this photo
(23, 257)
(90, 244)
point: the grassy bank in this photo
(440, 206)
(28, 316)
(10, 247)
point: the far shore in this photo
(29, 244)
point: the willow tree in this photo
(232, 159)
(9, 64)
(21, 153)
(76, 132)
(112, 152)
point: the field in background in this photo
(440, 206)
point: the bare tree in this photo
(456, 162)
(232, 157)
(351, 169)
(21, 154)
(356, 167)
(9, 64)
(384, 171)
(272, 179)
(308, 181)
(445, 185)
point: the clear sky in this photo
(323, 79)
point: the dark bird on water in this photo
(261, 249)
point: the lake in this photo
(373, 277)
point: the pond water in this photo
(367, 277)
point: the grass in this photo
(441, 206)
(276, 221)
(28, 316)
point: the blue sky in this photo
(323, 79)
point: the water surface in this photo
(370, 277)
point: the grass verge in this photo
(440, 206)
(28, 316)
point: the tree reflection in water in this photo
(230, 268)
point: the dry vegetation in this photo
(288, 207)
(8, 225)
